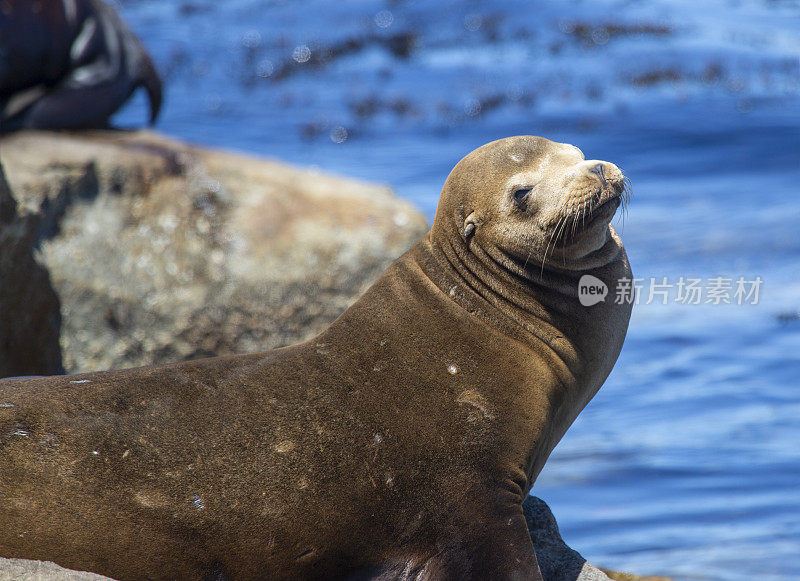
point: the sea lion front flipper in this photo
(12, 107)
(485, 544)
(66, 108)
(136, 68)
(505, 551)
(147, 77)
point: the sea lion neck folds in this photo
(519, 222)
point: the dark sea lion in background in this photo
(68, 64)
(398, 444)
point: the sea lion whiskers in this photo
(546, 248)
(589, 207)
(531, 248)
(625, 196)
(624, 190)
(577, 213)
(627, 192)
(555, 237)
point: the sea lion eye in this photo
(521, 194)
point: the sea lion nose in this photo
(599, 171)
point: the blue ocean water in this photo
(687, 463)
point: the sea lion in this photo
(399, 443)
(68, 64)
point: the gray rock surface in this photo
(30, 315)
(160, 251)
(557, 561)
(25, 570)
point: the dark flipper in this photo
(491, 538)
(69, 107)
(149, 79)
(136, 67)
(506, 552)
(107, 63)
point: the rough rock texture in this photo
(557, 561)
(160, 251)
(29, 309)
(25, 570)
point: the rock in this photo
(618, 576)
(30, 315)
(25, 570)
(160, 251)
(557, 561)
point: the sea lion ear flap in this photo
(469, 226)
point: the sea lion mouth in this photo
(586, 220)
(611, 196)
(606, 201)
(605, 210)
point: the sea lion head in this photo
(529, 202)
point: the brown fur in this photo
(399, 442)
